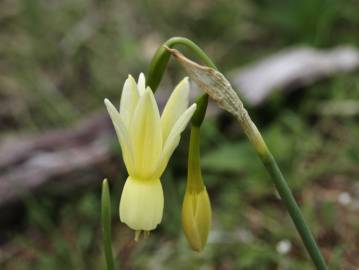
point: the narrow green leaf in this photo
(106, 225)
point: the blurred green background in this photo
(60, 59)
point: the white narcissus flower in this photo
(147, 141)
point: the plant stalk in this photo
(220, 90)
(293, 209)
(106, 225)
(162, 56)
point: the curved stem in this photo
(162, 56)
(106, 225)
(159, 63)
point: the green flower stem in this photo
(284, 191)
(293, 209)
(200, 112)
(159, 63)
(162, 56)
(194, 178)
(106, 225)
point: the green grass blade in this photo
(106, 225)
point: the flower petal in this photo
(122, 135)
(129, 99)
(146, 135)
(174, 138)
(141, 84)
(176, 105)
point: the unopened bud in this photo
(196, 209)
(196, 218)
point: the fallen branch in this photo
(48, 161)
(292, 69)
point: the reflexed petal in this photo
(176, 105)
(146, 135)
(174, 138)
(179, 126)
(122, 135)
(129, 100)
(141, 204)
(141, 84)
(162, 163)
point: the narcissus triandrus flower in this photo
(147, 140)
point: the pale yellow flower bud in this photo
(196, 218)
(196, 209)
